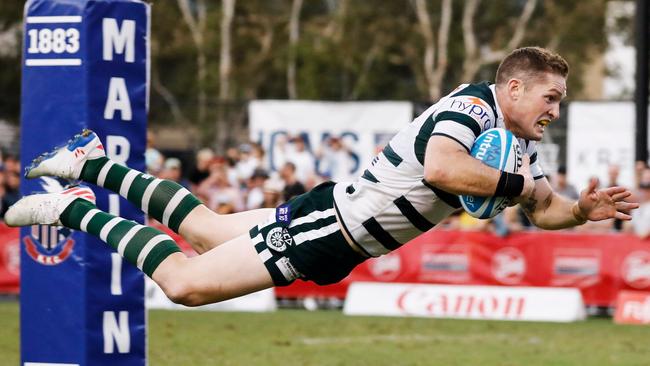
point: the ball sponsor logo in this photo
(636, 269)
(508, 266)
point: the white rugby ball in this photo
(499, 149)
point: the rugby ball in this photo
(499, 149)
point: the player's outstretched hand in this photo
(601, 204)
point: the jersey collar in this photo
(500, 121)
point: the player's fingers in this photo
(615, 190)
(623, 216)
(621, 196)
(593, 183)
(626, 206)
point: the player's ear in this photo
(515, 88)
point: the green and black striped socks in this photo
(142, 246)
(164, 200)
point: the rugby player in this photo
(322, 235)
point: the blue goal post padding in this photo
(85, 65)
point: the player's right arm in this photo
(448, 166)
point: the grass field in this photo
(295, 337)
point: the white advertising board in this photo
(600, 134)
(363, 127)
(470, 302)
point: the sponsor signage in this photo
(467, 302)
(85, 65)
(632, 307)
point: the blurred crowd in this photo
(241, 179)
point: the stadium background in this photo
(343, 51)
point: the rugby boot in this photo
(45, 208)
(67, 161)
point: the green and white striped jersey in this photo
(391, 203)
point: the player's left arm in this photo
(549, 210)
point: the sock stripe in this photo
(103, 234)
(128, 180)
(86, 219)
(148, 247)
(173, 204)
(101, 178)
(147, 194)
(121, 246)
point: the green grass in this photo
(293, 337)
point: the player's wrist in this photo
(509, 185)
(578, 215)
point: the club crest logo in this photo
(278, 239)
(49, 245)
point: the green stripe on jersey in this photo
(461, 118)
(392, 156)
(422, 139)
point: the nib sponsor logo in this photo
(387, 267)
(636, 269)
(508, 266)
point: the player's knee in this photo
(183, 293)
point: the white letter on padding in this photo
(118, 99)
(115, 333)
(116, 274)
(118, 39)
(118, 148)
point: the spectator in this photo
(201, 170)
(3, 207)
(272, 193)
(153, 158)
(249, 160)
(218, 190)
(12, 189)
(303, 161)
(562, 186)
(11, 163)
(336, 160)
(292, 187)
(640, 223)
(172, 170)
(255, 192)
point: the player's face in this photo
(537, 104)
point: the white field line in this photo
(472, 338)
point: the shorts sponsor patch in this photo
(278, 239)
(283, 214)
(288, 270)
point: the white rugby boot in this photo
(67, 161)
(45, 208)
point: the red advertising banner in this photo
(600, 265)
(633, 307)
(9, 260)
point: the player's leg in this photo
(170, 203)
(206, 229)
(231, 270)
